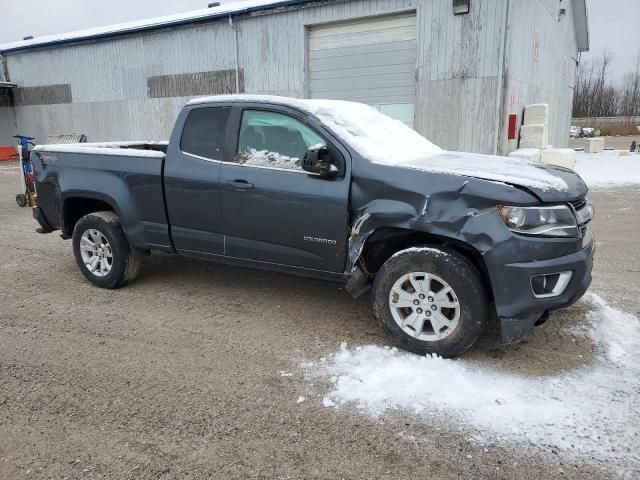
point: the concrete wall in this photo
(457, 71)
(541, 65)
(593, 121)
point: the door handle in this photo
(240, 185)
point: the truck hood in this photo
(548, 182)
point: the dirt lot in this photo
(177, 375)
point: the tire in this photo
(458, 327)
(21, 200)
(124, 264)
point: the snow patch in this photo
(591, 411)
(113, 150)
(608, 168)
(265, 158)
(327, 402)
(434, 251)
(510, 170)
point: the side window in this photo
(272, 139)
(204, 131)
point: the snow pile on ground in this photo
(593, 410)
(608, 168)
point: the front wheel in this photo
(102, 251)
(431, 300)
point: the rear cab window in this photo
(204, 132)
(276, 140)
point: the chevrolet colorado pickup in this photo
(332, 190)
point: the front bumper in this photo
(517, 307)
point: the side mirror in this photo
(318, 160)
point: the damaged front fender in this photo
(445, 206)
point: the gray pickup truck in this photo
(337, 191)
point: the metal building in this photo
(453, 69)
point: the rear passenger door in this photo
(191, 176)
(274, 211)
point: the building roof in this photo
(581, 19)
(224, 10)
(194, 16)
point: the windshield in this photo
(375, 136)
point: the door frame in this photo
(335, 145)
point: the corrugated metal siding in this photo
(7, 126)
(541, 58)
(457, 65)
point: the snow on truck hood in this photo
(384, 140)
(509, 170)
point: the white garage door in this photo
(371, 61)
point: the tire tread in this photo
(449, 265)
(109, 223)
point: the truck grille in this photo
(584, 212)
(579, 203)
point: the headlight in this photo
(552, 221)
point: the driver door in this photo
(273, 211)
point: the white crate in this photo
(534, 136)
(595, 145)
(532, 154)
(563, 157)
(536, 114)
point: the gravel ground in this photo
(179, 374)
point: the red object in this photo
(8, 153)
(513, 126)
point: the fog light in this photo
(550, 284)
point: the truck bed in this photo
(125, 176)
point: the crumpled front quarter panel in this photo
(449, 206)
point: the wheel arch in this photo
(78, 204)
(383, 242)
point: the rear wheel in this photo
(102, 251)
(21, 200)
(431, 300)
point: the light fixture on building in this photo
(461, 7)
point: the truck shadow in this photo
(303, 307)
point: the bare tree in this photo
(630, 92)
(596, 96)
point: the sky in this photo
(614, 24)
